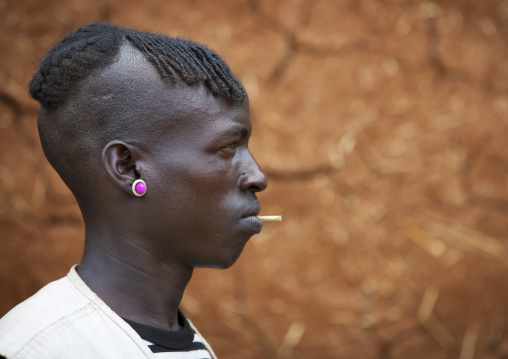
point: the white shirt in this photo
(65, 319)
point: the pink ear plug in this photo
(139, 188)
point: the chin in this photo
(224, 262)
(228, 264)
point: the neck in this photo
(133, 282)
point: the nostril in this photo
(254, 183)
(254, 188)
(253, 178)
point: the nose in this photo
(254, 178)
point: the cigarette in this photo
(270, 218)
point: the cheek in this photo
(194, 184)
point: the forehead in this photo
(192, 114)
(135, 96)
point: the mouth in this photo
(252, 211)
(250, 218)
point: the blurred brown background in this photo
(382, 127)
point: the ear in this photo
(120, 162)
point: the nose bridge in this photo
(254, 177)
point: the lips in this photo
(252, 211)
(249, 218)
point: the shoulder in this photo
(54, 304)
(65, 319)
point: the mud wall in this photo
(382, 127)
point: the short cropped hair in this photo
(95, 46)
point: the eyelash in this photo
(231, 146)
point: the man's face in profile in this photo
(201, 205)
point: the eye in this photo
(230, 148)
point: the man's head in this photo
(66, 128)
(120, 105)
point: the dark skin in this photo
(191, 149)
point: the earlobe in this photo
(120, 163)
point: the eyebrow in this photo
(233, 132)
